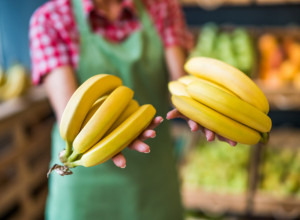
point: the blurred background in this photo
(260, 37)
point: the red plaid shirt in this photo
(54, 39)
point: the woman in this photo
(143, 42)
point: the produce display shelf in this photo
(255, 201)
(283, 98)
(277, 206)
(261, 204)
(218, 3)
(16, 106)
(214, 202)
(25, 126)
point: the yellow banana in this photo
(178, 88)
(189, 79)
(16, 82)
(229, 77)
(215, 121)
(93, 110)
(229, 105)
(103, 119)
(118, 139)
(81, 102)
(130, 109)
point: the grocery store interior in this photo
(218, 182)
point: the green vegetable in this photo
(243, 49)
(206, 40)
(224, 49)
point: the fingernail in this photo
(151, 134)
(194, 129)
(154, 134)
(161, 120)
(123, 166)
(145, 149)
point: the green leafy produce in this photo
(206, 41)
(225, 49)
(280, 171)
(233, 47)
(243, 49)
(217, 167)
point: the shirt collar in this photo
(126, 5)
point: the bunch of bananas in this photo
(14, 83)
(100, 120)
(222, 99)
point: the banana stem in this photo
(76, 163)
(73, 157)
(265, 137)
(73, 164)
(68, 149)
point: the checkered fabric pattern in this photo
(54, 38)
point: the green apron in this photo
(148, 187)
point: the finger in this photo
(172, 114)
(156, 121)
(175, 114)
(119, 160)
(194, 126)
(147, 134)
(232, 143)
(210, 135)
(139, 146)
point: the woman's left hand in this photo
(194, 126)
(139, 144)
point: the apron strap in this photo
(82, 21)
(143, 14)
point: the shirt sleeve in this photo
(173, 28)
(47, 49)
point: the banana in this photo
(82, 100)
(103, 119)
(15, 84)
(93, 110)
(229, 105)
(189, 79)
(118, 139)
(177, 88)
(215, 121)
(229, 77)
(130, 109)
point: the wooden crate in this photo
(214, 202)
(254, 202)
(276, 203)
(25, 126)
